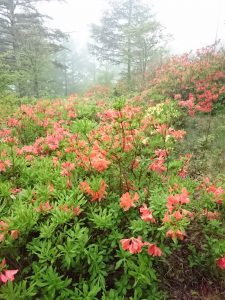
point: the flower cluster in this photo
(5, 231)
(127, 201)
(6, 275)
(158, 164)
(95, 195)
(135, 245)
(146, 214)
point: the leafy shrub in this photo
(95, 202)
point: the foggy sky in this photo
(192, 23)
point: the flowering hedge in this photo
(95, 201)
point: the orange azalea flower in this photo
(177, 215)
(154, 250)
(210, 215)
(132, 245)
(146, 214)
(180, 235)
(8, 275)
(161, 153)
(85, 187)
(65, 208)
(171, 233)
(184, 196)
(183, 172)
(175, 234)
(67, 167)
(2, 166)
(157, 165)
(29, 157)
(173, 200)
(4, 133)
(14, 234)
(44, 207)
(218, 193)
(76, 211)
(163, 128)
(3, 225)
(100, 163)
(166, 218)
(177, 134)
(126, 201)
(95, 195)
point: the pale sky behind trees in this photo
(192, 23)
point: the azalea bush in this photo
(95, 201)
(196, 80)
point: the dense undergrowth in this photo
(100, 199)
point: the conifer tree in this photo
(127, 35)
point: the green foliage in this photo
(6, 79)
(19, 291)
(76, 191)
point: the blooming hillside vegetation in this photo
(96, 202)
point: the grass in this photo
(205, 139)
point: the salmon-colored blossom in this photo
(76, 211)
(95, 195)
(12, 122)
(3, 226)
(126, 201)
(132, 245)
(146, 214)
(166, 218)
(67, 167)
(8, 275)
(211, 215)
(44, 207)
(176, 199)
(162, 129)
(161, 153)
(157, 165)
(177, 215)
(177, 134)
(99, 163)
(4, 133)
(154, 250)
(175, 234)
(4, 165)
(14, 234)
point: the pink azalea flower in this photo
(8, 275)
